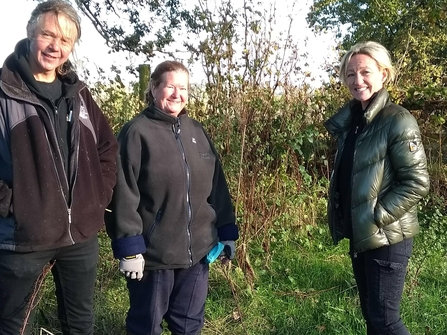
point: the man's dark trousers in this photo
(74, 274)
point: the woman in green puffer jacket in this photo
(380, 175)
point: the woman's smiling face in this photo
(364, 78)
(171, 95)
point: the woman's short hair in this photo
(56, 7)
(374, 50)
(157, 76)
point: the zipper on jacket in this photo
(63, 197)
(70, 188)
(334, 181)
(54, 125)
(53, 132)
(57, 130)
(71, 192)
(70, 115)
(352, 176)
(176, 130)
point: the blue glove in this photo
(228, 251)
(214, 253)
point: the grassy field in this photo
(301, 286)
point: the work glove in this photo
(228, 251)
(132, 266)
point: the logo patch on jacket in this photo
(193, 140)
(83, 112)
(204, 155)
(413, 146)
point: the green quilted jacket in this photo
(389, 175)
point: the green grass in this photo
(302, 286)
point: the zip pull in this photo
(69, 215)
(54, 106)
(70, 115)
(178, 125)
(356, 129)
(176, 128)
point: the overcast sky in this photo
(92, 51)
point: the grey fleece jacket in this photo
(171, 202)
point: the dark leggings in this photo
(380, 276)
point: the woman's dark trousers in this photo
(380, 275)
(176, 295)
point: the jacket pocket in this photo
(391, 277)
(154, 225)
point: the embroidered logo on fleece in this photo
(413, 146)
(83, 112)
(204, 155)
(193, 140)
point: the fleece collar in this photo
(155, 113)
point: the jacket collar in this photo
(379, 102)
(343, 118)
(155, 113)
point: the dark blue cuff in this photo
(128, 246)
(228, 232)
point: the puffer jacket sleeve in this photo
(409, 164)
(124, 224)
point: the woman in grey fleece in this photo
(170, 208)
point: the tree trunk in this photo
(145, 72)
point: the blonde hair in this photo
(374, 50)
(57, 8)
